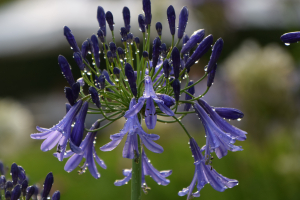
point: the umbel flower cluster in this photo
(142, 88)
(18, 187)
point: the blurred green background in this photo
(257, 74)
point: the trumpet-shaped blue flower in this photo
(217, 140)
(58, 134)
(133, 128)
(150, 113)
(89, 153)
(147, 170)
(205, 174)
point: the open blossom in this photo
(147, 170)
(150, 113)
(205, 174)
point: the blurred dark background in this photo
(257, 74)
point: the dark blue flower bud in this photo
(47, 185)
(137, 41)
(91, 46)
(290, 37)
(191, 90)
(2, 170)
(202, 48)
(146, 55)
(16, 193)
(155, 51)
(163, 50)
(217, 49)
(158, 27)
(100, 35)
(7, 195)
(22, 174)
(9, 185)
(66, 69)
(171, 19)
(176, 62)
(78, 60)
(110, 20)
(185, 39)
(36, 190)
(147, 11)
(194, 40)
(71, 39)
(14, 170)
(166, 68)
(211, 76)
(24, 187)
(85, 49)
(96, 50)
(129, 72)
(101, 81)
(141, 20)
(129, 37)
(95, 96)
(78, 129)
(229, 113)
(123, 34)
(110, 56)
(121, 53)
(69, 95)
(56, 195)
(183, 19)
(176, 89)
(30, 192)
(2, 182)
(168, 101)
(170, 80)
(101, 19)
(107, 77)
(126, 17)
(116, 71)
(113, 47)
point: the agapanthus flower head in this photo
(147, 170)
(66, 69)
(183, 19)
(189, 43)
(205, 174)
(71, 39)
(290, 37)
(171, 19)
(110, 20)
(101, 19)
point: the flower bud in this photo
(196, 37)
(110, 20)
(16, 193)
(191, 90)
(155, 51)
(163, 50)
(78, 60)
(166, 68)
(100, 35)
(56, 195)
(113, 47)
(71, 39)
(47, 185)
(110, 56)
(121, 53)
(211, 76)
(137, 41)
(107, 77)
(80, 81)
(171, 19)
(24, 187)
(176, 62)
(131, 78)
(30, 191)
(176, 89)
(8, 195)
(9, 185)
(96, 50)
(101, 81)
(217, 49)
(158, 27)
(168, 101)
(146, 55)
(184, 40)
(126, 17)
(147, 11)
(183, 19)
(129, 38)
(141, 20)
(290, 37)
(101, 19)
(69, 95)
(116, 71)
(123, 34)
(84, 49)
(229, 113)
(14, 170)
(66, 69)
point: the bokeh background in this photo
(257, 74)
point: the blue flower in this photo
(205, 174)
(89, 153)
(147, 170)
(58, 134)
(133, 128)
(150, 113)
(217, 140)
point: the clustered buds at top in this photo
(126, 17)
(183, 19)
(66, 69)
(101, 19)
(176, 62)
(71, 39)
(141, 20)
(155, 51)
(171, 19)
(110, 20)
(202, 48)
(290, 37)
(217, 49)
(195, 38)
(158, 27)
(147, 11)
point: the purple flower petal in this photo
(150, 114)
